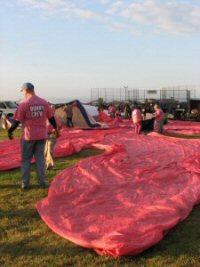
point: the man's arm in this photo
(14, 126)
(54, 124)
(19, 117)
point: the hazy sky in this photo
(66, 47)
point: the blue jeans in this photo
(29, 149)
(158, 126)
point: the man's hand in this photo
(57, 133)
(10, 136)
(14, 125)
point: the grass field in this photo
(26, 241)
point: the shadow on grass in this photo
(183, 239)
(18, 187)
(9, 186)
(28, 246)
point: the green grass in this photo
(185, 136)
(4, 135)
(25, 240)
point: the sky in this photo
(67, 47)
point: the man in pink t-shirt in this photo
(137, 120)
(33, 114)
(159, 119)
(112, 110)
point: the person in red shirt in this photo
(33, 114)
(159, 119)
(118, 112)
(112, 110)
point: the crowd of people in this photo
(117, 110)
(41, 128)
(137, 114)
(158, 117)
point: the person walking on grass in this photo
(33, 114)
(159, 119)
(69, 112)
(137, 120)
(127, 110)
(112, 110)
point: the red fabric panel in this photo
(183, 127)
(124, 201)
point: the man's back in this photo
(136, 115)
(33, 114)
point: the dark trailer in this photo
(195, 104)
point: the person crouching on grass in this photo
(137, 120)
(33, 113)
(51, 141)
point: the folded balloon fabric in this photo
(183, 127)
(125, 200)
(71, 142)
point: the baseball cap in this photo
(28, 86)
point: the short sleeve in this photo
(50, 111)
(20, 113)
